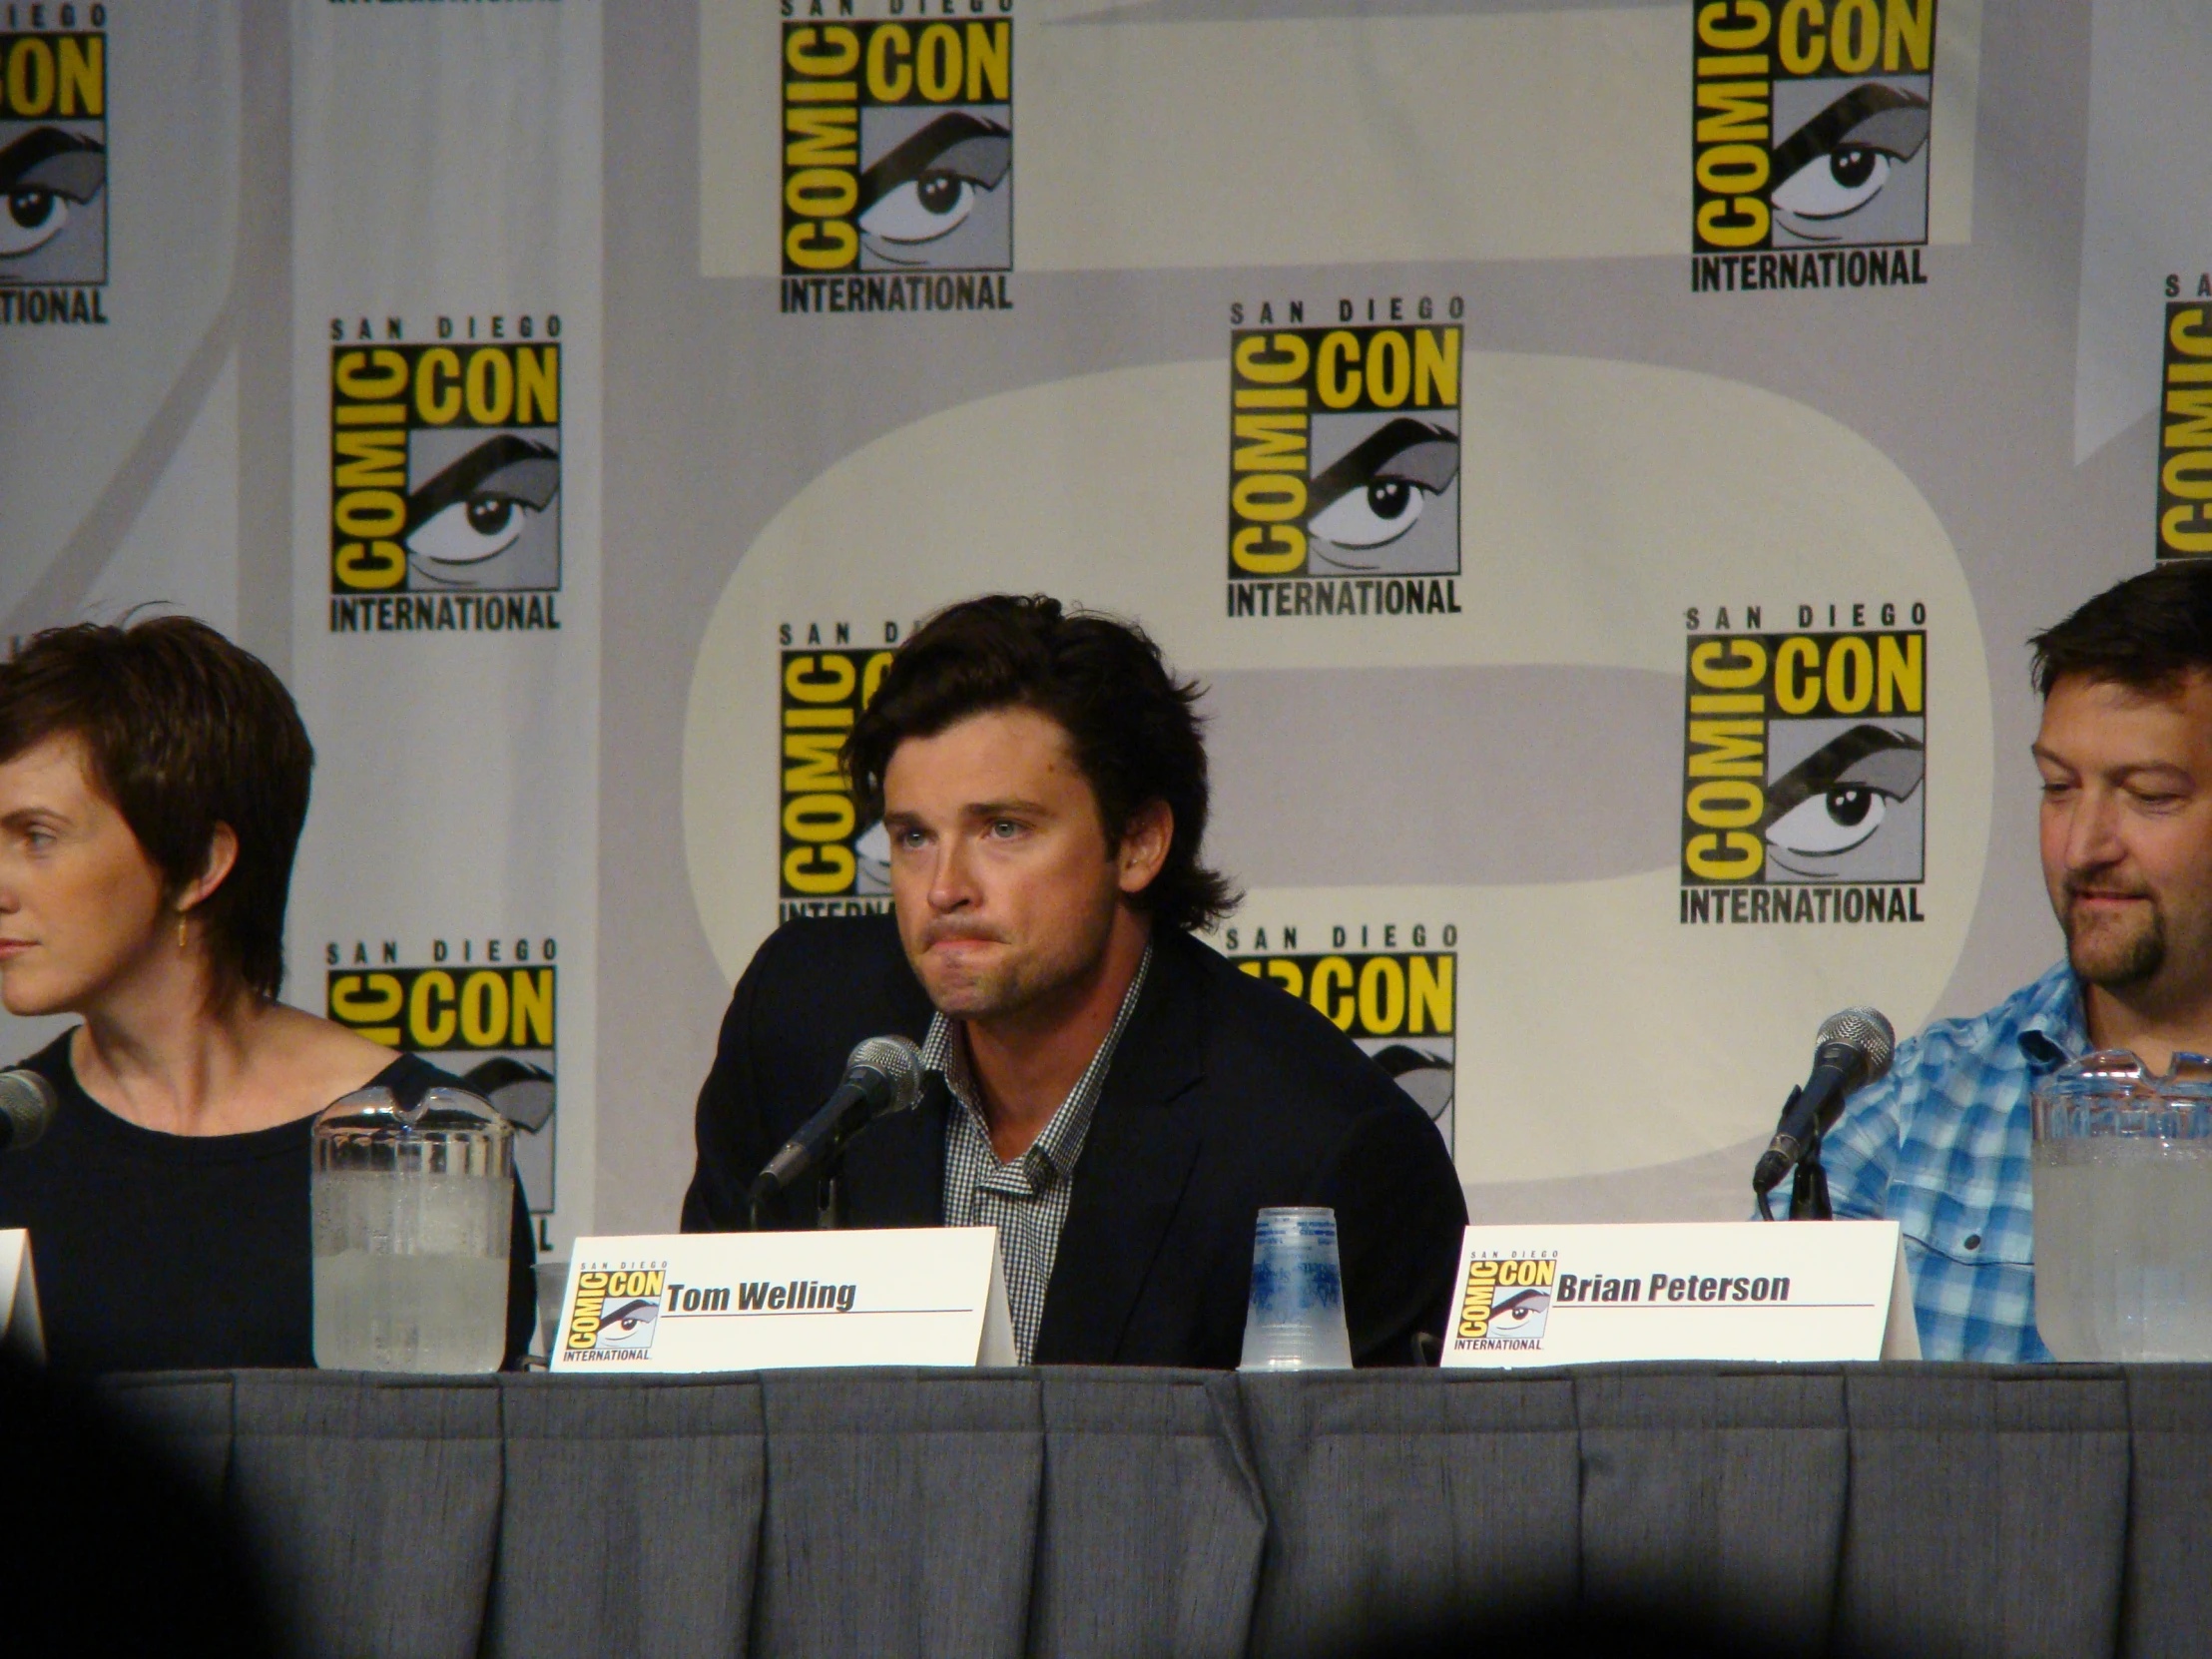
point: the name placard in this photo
(1562, 1295)
(697, 1302)
(21, 1331)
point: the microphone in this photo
(27, 1105)
(883, 1075)
(1852, 1049)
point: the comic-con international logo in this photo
(898, 155)
(53, 164)
(1805, 760)
(482, 1009)
(828, 862)
(2185, 432)
(1505, 1303)
(1810, 143)
(1401, 1006)
(616, 1314)
(1344, 467)
(445, 481)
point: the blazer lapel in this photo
(895, 1167)
(1134, 1165)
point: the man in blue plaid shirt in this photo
(1941, 1145)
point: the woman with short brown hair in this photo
(154, 780)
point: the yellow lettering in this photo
(1898, 673)
(1732, 748)
(1802, 47)
(1273, 361)
(1735, 857)
(1437, 367)
(437, 390)
(371, 458)
(537, 386)
(1332, 990)
(1707, 660)
(890, 51)
(819, 679)
(1908, 35)
(991, 55)
(430, 1017)
(369, 376)
(1797, 677)
(84, 76)
(1244, 547)
(1336, 384)
(1755, 23)
(1431, 1000)
(841, 51)
(821, 245)
(1849, 674)
(484, 1010)
(1739, 112)
(371, 564)
(818, 869)
(533, 1008)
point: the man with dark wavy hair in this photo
(1113, 1096)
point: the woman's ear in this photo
(222, 856)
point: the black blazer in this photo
(1225, 1096)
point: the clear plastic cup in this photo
(1296, 1319)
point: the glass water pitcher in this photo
(414, 1207)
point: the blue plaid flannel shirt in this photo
(1942, 1146)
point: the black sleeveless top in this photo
(159, 1252)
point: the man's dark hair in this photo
(2147, 633)
(1130, 722)
(183, 730)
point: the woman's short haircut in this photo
(2147, 633)
(182, 731)
(1130, 722)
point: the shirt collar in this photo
(944, 1050)
(2052, 1028)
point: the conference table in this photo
(1920, 1509)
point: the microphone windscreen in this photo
(27, 1105)
(898, 1059)
(1865, 1031)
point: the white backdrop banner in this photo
(1603, 459)
(446, 589)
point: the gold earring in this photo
(181, 944)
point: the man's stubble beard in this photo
(2114, 958)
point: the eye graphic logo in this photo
(1811, 127)
(492, 1026)
(898, 146)
(1343, 455)
(1804, 767)
(829, 862)
(1506, 1301)
(1399, 1007)
(53, 160)
(2185, 434)
(629, 1323)
(445, 469)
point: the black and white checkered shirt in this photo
(1026, 1200)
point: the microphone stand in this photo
(1809, 1186)
(1809, 1192)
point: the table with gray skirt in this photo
(1909, 1508)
